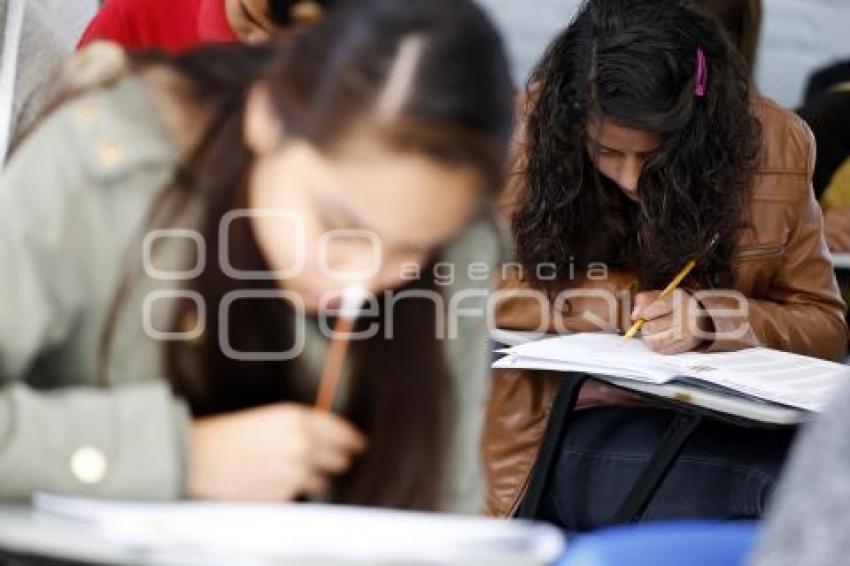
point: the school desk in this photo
(691, 407)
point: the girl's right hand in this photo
(275, 453)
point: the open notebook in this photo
(769, 375)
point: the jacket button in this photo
(89, 466)
(110, 153)
(88, 113)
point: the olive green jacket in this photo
(73, 206)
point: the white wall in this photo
(70, 17)
(798, 36)
(529, 26)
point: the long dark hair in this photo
(635, 61)
(322, 82)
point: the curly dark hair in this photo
(635, 62)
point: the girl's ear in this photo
(262, 130)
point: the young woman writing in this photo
(642, 144)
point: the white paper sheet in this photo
(312, 532)
(626, 358)
(779, 377)
(841, 261)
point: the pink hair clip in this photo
(702, 74)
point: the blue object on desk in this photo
(665, 544)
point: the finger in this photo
(642, 302)
(330, 460)
(674, 341)
(658, 325)
(314, 485)
(300, 479)
(680, 345)
(654, 342)
(330, 430)
(673, 348)
(660, 308)
(661, 343)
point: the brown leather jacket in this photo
(783, 269)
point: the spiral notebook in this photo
(760, 373)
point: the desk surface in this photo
(25, 532)
(30, 537)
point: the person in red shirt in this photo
(178, 25)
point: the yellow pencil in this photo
(674, 284)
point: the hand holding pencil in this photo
(672, 320)
(669, 290)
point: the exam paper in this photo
(780, 377)
(771, 375)
(311, 533)
(593, 352)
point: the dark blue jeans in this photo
(725, 471)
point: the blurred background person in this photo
(809, 518)
(827, 111)
(177, 25)
(389, 119)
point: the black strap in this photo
(562, 408)
(681, 430)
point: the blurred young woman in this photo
(165, 246)
(644, 148)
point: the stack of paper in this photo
(307, 533)
(841, 261)
(770, 375)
